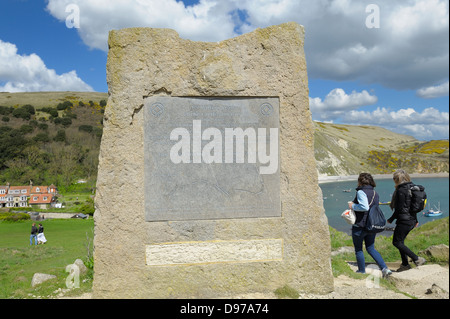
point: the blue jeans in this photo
(31, 239)
(359, 236)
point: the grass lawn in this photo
(420, 238)
(66, 241)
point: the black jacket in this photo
(401, 201)
(34, 230)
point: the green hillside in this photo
(54, 137)
(43, 99)
(50, 137)
(351, 149)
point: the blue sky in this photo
(392, 74)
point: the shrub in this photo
(60, 136)
(14, 217)
(5, 110)
(88, 208)
(26, 129)
(53, 112)
(41, 137)
(22, 113)
(66, 121)
(85, 128)
(29, 108)
(64, 105)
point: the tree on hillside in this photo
(25, 112)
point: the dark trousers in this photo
(401, 231)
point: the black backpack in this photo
(418, 198)
(375, 222)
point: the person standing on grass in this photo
(365, 198)
(406, 221)
(41, 237)
(34, 231)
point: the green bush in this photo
(66, 121)
(24, 112)
(14, 217)
(53, 112)
(88, 207)
(85, 128)
(43, 126)
(5, 110)
(26, 129)
(64, 105)
(41, 137)
(60, 136)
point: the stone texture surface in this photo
(206, 252)
(39, 278)
(145, 62)
(193, 190)
(81, 266)
(437, 251)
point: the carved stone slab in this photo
(228, 167)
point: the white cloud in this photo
(25, 73)
(434, 91)
(408, 51)
(428, 124)
(209, 20)
(340, 107)
(337, 103)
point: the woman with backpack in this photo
(406, 220)
(365, 198)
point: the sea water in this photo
(337, 194)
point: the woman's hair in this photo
(366, 179)
(400, 177)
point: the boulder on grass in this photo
(39, 278)
(439, 252)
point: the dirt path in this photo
(424, 282)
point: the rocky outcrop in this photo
(39, 278)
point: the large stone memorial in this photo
(207, 184)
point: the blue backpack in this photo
(375, 222)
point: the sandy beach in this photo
(332, 179)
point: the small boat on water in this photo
(433, 212)
(346, 190)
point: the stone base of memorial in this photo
(207, 183)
